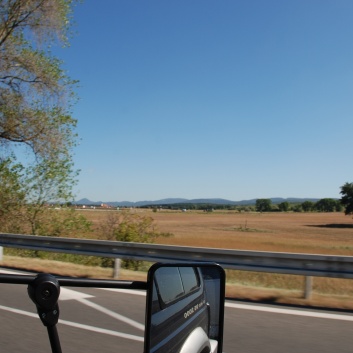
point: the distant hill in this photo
(171, 201)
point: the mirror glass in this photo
(185, 308)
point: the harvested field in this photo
(330, 233)
(318, 233)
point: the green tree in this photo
(35, 93)
(308, 206)
(297, 208)
(36, 97)
(284, 206)
(347, 198)
(339, 206)
(62, 221)
(48, 182)
(326, 205)
(12, 195)
(24, 199)
(130, 227)
(263, 205)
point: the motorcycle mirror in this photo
(185, 308)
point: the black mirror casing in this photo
(185, 308)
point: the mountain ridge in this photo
(171, 201)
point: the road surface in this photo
(100, 320)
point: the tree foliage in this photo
(35, 93)
(36, 97)
(49, 181)
(263, 205)
(130, 227)
(12, 195)
(283, 206)
(24, 199)
(327, 205)
(347, 198)
(308, 206)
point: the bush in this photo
(130, 227)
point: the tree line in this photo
(323, 205)
(266, 205)
(261, 205)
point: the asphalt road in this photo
(97, 320)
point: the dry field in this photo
(318, 233)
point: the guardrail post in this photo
(1, 252)
(308, 287)
(116, 268)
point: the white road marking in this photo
(69, 294)
(77, 325)
(290, 312)
(126, 291)
(112, 314)
(18, 311)
(102, 330)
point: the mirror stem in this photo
(54, 339)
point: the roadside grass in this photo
(68, 269)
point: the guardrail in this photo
(260, 261)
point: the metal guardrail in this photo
(260, 261)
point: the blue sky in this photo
(212, 99)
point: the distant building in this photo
(104, 205)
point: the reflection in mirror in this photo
(185, 308)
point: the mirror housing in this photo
(185, 308)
